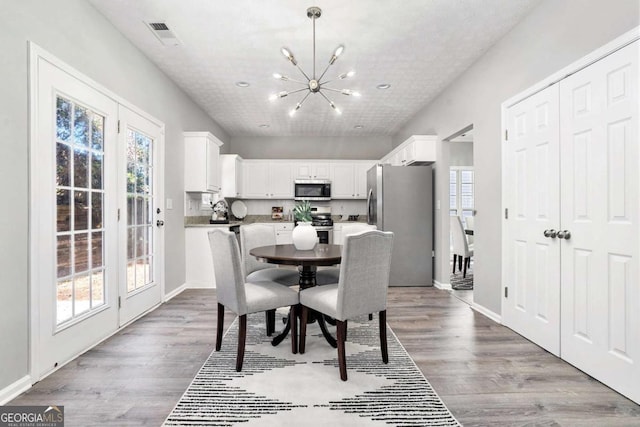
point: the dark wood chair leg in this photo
(242, 338)
(270, 319)
(341, 330)
(464, 272)
(219, 326)
(293, 320)
(455, 259)
(303, 328)
(460, 262)
(383, 336)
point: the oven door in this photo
(325, 234)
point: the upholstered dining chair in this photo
(361, 289)
(253, 236)
(462, 251)
(468, 225)
(244, 297)
(330, 275)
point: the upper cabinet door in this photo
(202, 155)
(311, 170)
(255, 179)
(342, 181)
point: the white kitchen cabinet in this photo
(361, 178)
(201, 162)
(230, 175)
(198, 262)
(263, 179)
(416, 150)
(283, 233)
(312, 170)
(343, 180)
(349, 179)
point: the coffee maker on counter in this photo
(220, 213)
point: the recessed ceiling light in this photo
(383, 86)
(358, 127)
(242, 84)
(263, 126)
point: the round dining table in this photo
(308, 262)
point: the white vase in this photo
(304, 236)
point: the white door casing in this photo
(73, 173)
(55, 342)
(600, 208)
(141, 221)
(532, 259)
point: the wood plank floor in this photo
(486, 374)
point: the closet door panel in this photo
(531, 306)
(600, 208)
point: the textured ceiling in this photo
(417, 46)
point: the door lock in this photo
(159, 223)
(564, 234)
(551, 233)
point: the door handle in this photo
(159, 223)
(564, 234)
(551, 233)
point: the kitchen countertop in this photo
(203, 221)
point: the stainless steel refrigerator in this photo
(400, 200)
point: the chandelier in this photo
(314, 84)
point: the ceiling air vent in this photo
(163, 33)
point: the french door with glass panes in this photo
(79, 210)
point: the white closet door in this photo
(532, 306)
(600, 208)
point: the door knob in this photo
(564, 234)
(550, 233)
(159, 223)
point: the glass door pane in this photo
(79, 210)
(140, 207)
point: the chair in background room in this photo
(332, 274)
(361, 289)
(253, 236)
(469, 225)
(244, 297)
(460, 248)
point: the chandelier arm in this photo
(324, 72)
(303, 73)
(328, 100)
(296, 91)
(304, 99)
(331, 89)
(298, 82)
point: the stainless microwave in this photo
(312, 189)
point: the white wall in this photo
(77, 34)
(460, 153)
(319, 147)
(555, 34)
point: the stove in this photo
(322, 222)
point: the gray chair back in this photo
(460, 245)
(228, 270)
(353, 229)
(364, 273)
(253, 236)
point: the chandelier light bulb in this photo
(273, 97)
(289, 55)
(346, 75)
(336, 53)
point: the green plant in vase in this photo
(302, 211)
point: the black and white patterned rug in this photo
(459, 283)
(277, 388)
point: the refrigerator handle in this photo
(370, 210)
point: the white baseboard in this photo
(486, 312)
(445, 286)
(13, 390)
(175, 292)
(197, 285)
